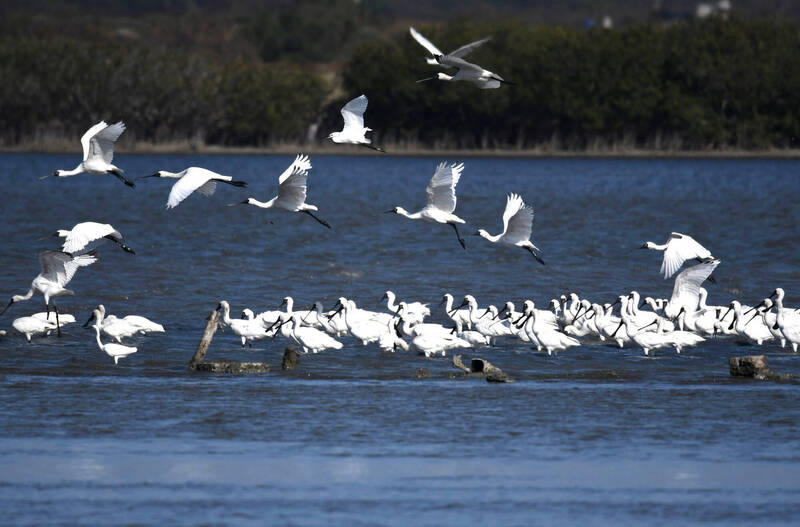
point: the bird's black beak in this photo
(53, 174)
(476, 233)
(643, 246)
(760, 304)
(384, 297)
(500, 312)
(484, 313)
(283, 303)
(444, 299)
(388, 211)
(617, 301)
(86, 324)
(726, 313)
(774, 293)
(520, 324)
(151, 175)
(7, 306)
(397, 330)
(338, 309)
(617, 330)
(775, 326)
(426, 79)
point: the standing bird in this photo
(434, 51)
(354, 131)
(291, 191)
(117, 351)
(58, 268)
(686, 291)
(98, 152)
(517, 223)
(193, 178)
(88, 235)
(677, 250)
(441, 199)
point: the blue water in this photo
(595, 436)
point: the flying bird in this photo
(517, 223)
(58, 268)
(677, 250)
(291, 191)
(193, 179)
(686, 290)
(434, 51)
(441, 199)
(98, 152)
(88, 235)
(354, 131)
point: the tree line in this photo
(708, 84)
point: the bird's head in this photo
(482, 233)
(397, 210)
(647, 245)
(61, 233)
(160, 173)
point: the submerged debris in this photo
(755, 366)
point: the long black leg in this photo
(123, 178)
(460, 239)
(538, 258)
(325, 223)
(58, 324)
(377, 148)
(122, 245)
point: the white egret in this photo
(291, 191)
(517, 225)
(116, 351)
(441, 192)
(84, 237)
(98, 152)
(686, 290)
(678, 249)
(58, 268)
(354, 131)
(193, 179)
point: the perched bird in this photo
(441, 199)
(434, 51)
(116, 351)
(517, 223)
(354, 131)
(88, 235)
(58, 268)
(686, 290)
(291, 191)
(193, 178)
(677, 250)
(98, 152)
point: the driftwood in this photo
(755, 366)
(227, 366)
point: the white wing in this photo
(455, 62)
(424, 42)
(442, 187)
(87, 136)
(686, 291)
(293, 189)
(83, 234)
(60, 267)
(192, 180)
(353, 113)
(679, 249)
(517, 220)
(102, 143)
(467, 48)
(301, 163)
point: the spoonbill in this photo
(89, 235)
(434, 51)
(98, 152)
(58, 268)
(354, 131)
(468, 72)
(246, 329)
(686, 290)
(39, 324)
(517, 224)
(441, 199)
(291, 191)
(116, 351)
(127, 326)
(414, 312)
(193, 178)
(678, 249)
(308, 338)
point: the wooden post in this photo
(205, 342)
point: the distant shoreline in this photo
(401, 151)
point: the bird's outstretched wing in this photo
(450, 61)
(517, 220)
(292, 190)
(87, 136)
(686, 291)
(60, 267)
(82, 236)
(679, 249)
(442, 187)
(467, 48)
(301, 163)
(101, 144)
(195, 178)
(353, 113)
(425, 43)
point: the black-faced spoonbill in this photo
(677, 250)
(89, 235)
(517, 225)
(117, 351)
(193, 178)
(354, 131)
(434, 51)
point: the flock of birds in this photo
(681, 321)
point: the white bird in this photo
(430, 344)
(753, 329)
(58, 268)
(547, 335)
(686, 290)
(124, 327)
(354, 131)
(291, 191)
(247, 330)
(788, 320)
(193, 179)
(89, 235)
(414, 312)
(364, 329)
(434, 51)
(98, 152)
(677, 250)
(117, 351)
(310, 339)
(441, 192)
(467, 71)
(39, 324)
(517, 224)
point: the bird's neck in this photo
(97, 335)
(262, 204)
(486, 235)
(173, 175)
(226, 315)
(414, 216)
(655, 247)
(26, 296)
(66, 173)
